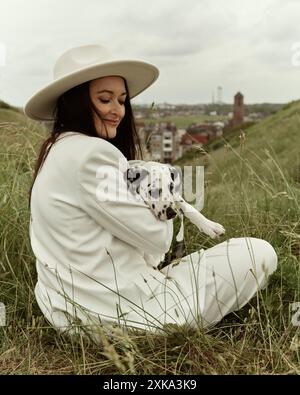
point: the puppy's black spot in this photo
(165, 206)
(153, 206)
(163, 211)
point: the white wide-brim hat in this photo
(82, 64)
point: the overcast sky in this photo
(252, 46)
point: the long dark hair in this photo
(73, 112)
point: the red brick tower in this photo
(238, 109)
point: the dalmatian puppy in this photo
(159, 186)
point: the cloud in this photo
(196, 44)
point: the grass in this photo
(252, 188)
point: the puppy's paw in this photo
(212, 229)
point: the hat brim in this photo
(139, 76)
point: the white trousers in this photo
(234, 271)
(204, 287)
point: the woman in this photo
(89, 236)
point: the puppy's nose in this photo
(170, 213)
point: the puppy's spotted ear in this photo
(133, 176)
(174, 173)
(176, 178)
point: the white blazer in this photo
(89, 234)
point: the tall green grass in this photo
(251, 187)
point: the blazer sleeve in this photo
(104, 195)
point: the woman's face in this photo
(108, 95)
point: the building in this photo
(200, 134)
(162, 142)
(189, 140)
(238, 110)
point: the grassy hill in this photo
(266, 163)
(252, 187)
